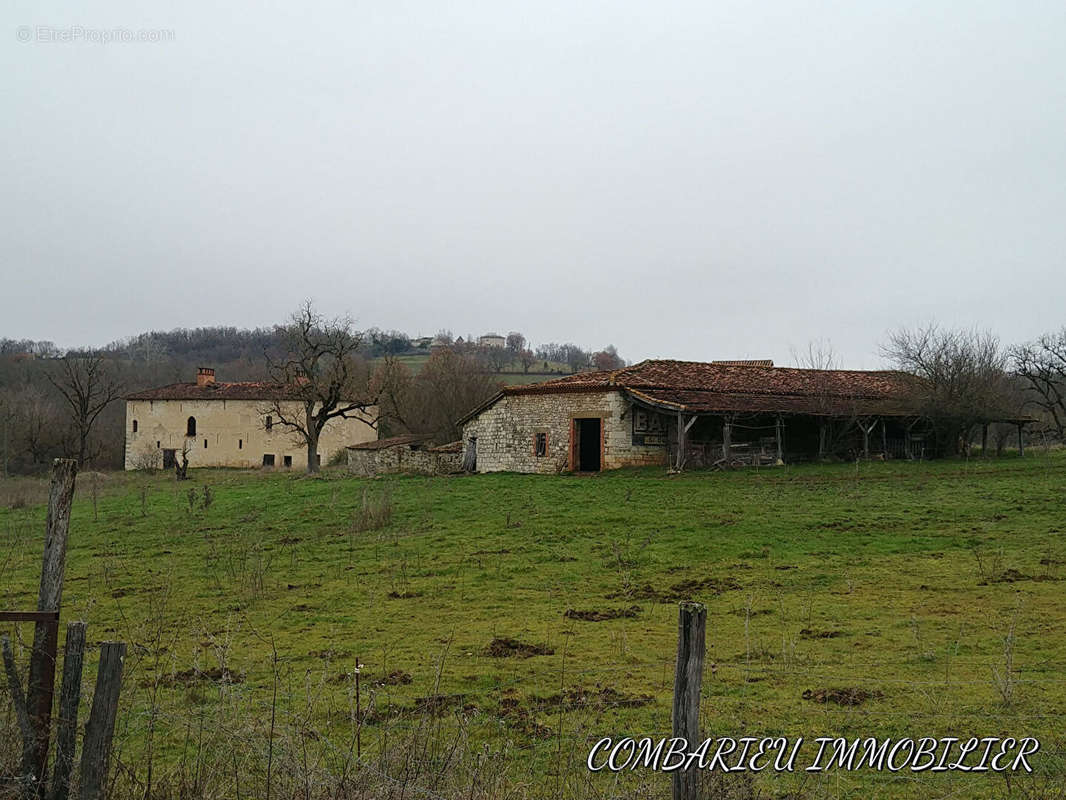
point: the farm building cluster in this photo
(674, 414)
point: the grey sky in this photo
(692, 180)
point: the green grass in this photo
(897, 578)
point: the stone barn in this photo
(686, 413)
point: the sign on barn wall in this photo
(648, 428)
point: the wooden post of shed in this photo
(688, 676)
(42, 675)
(679, 462)
(984, 440)
(821, 438)
(779, 425)
(1021, 438)
(884, 438)
(727, 437)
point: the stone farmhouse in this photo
(225, 425)
(685, 413)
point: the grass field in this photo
(934, 590)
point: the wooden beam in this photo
(727, 438)
(779, 425)
(29, 616)
(69, 697)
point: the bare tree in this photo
(449, 385)
(818, 355)
(516, 342)
(962, 379)
(320, 378)
(607, 359)
(89, 384)
(527, 359)
(1042, 367)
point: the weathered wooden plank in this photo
(18, 699)
(691, 647)
(100, 729)
(69, 697)
(29, 616)
(41, 684)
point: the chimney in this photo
(204, 376)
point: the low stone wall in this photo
(403, 458)
(505, 432)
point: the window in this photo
(205, 444)
(540, 444)
(269, 423)
(157, 445)
(287, 461)
(135, 426)
(268, 459)
(190, 427)
(240, 444)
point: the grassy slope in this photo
(880, 556)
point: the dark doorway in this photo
(589, 440)
(169, 459)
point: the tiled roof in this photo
(246, 390)
(747, 362)
(716, 387)
(730, 378)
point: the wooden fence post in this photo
(691, 646)
(41, 684)
(99, 730)
(69, 697)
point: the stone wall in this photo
(229, 433)
(506, 432)
(403, 458)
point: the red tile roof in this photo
(246, 390)
(701, 387)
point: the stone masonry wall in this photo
(505, 432)
(403, 459)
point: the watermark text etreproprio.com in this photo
(77, 34)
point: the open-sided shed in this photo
(686, 413)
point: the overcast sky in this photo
(697, 180)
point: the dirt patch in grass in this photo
(193, 676)
(814, 633)
(403, 595)
(599, 697)
(849, 696)
(395, 678)
(600, 616)
(682, 590)
(508, 648)
(439, 704)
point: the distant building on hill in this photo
(225, 425)
(492, 340)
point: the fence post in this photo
(691, 645)
(99, 730)
(69, 697)
(42, 675)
